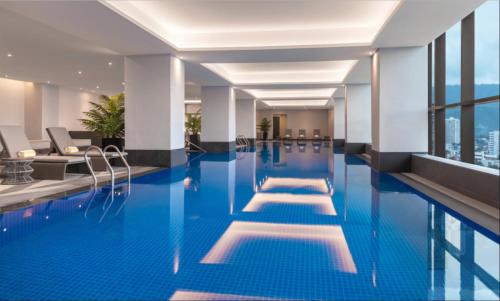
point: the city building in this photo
(249, 150)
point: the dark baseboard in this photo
(368, 148)
(219, 147)
(338, 142)
(351, 148)
(391, 161)
(474, 183)
(159, 158)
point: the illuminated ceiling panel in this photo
(329, 72)
(239, 233)
(249, 24)
(291, 93)
(186, 295)
(296, 103)
(322, 203)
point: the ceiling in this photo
(280, 49)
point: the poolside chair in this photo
(316, 134)
(287, 140)
(14, 140)
(301, 140)
(302, 134)
(64, 144)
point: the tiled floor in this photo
(21, 195)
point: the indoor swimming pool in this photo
(281, 222)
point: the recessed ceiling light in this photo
(79, 72)
(291, 93)
(81, 88)
(192, 101)
(97, 87)
(331, 72)
(296, 103)
(110, 63)
(6, 75)
(48, 82)
(10, 55)
(123, 83)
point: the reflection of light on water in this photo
(176, 261)
(323, 203)
(315, 184)
(239, 232)
(28, 213)
(195, 295)
(187, 182)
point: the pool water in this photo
(281, 222)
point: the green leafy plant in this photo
(106, 118)
(193, 123)
(265, 125)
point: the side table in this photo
(17, 171)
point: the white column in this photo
(331, 119)
(246, 118)
(399, 106)
(154, 110)
(218, 119)
(358, 118)
(41, 103)
(339, 122)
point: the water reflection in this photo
(277, 223)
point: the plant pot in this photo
(195, 139)
(264, 136)
(118, 142)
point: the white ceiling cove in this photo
(250, 24)
(267, 49)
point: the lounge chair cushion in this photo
(28, 153)
(60, 159)
(13, 140)
(61, 139)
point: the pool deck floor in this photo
(17, 196)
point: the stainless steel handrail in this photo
(195, 145)
(123, 160)
(89, 165)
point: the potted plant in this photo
(193, 127)
(106, 118)
(264, 127)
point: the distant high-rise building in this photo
(452, 130)
(494, 143)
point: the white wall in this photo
(358, 114)
(50, 108)
(218, 119)
(154, 103)
(399, 79)
(72, 104)
(11, 102)
(331, 117)
(299, 119)
(245, 118)
(339, 118)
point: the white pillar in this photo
(358, 118)
(331, 119)
(154, 110)
(339, 122)
(218, 120)
(399, 106)
(41, 103)
(246, 118)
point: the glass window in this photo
(452, 133)
(486, 128)
(486, 50)
(433, 91)
(453, 51)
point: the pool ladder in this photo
(102, 154)
(242, 140)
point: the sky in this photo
(486, 46)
